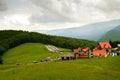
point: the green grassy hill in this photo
(27, 53)
(82, 69)
(113, 35)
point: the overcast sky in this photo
(55, 14)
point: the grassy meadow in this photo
(81, 69)
(28, 52)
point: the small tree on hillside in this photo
(1, 61)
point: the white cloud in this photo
(55, 14)
(17, 19)
(14, 22)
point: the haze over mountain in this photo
(91, 32)
(113, 35)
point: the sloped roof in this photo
(97, 52)
(96, 48)
(77, 50)
(86, 49)
(67, 54)
(104, 45)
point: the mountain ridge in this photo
(90, 32)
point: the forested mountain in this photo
(113, 35)
(90, 32)
(9, 33)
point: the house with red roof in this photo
(81, 53)
(76, 51)
(101, 48)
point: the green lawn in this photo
(82, 69)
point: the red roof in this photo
(77, 50)
(86, 49)
(96, 48)
(98, 52)
(104, 45)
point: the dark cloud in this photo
(3, 5)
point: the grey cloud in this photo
(109, 6)
(3, 5)
(44, 4)
(51, 11)
(48, 18)
(54, 10)
(74, 10)
(60, 11)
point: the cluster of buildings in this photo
(101, 49)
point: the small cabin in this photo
(67, 56)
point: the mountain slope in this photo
(113, 35)
(91, 32)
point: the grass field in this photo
(28, 52)
(82, 69)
